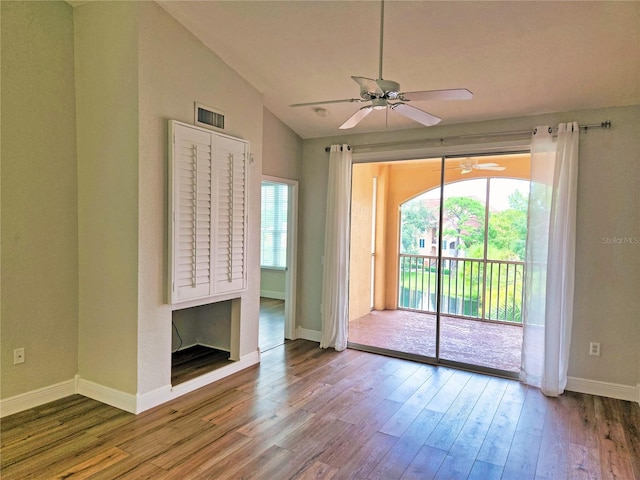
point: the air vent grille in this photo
(208, 117)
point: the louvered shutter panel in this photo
(192, 206)
(230, 224)
(208, 208)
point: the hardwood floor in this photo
(271, 323)
(195, 361)
(319, 414)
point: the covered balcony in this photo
(404, 270)
(481, 305)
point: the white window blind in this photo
(273, 245)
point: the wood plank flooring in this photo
(308, 413)
(195, 361)
(271, 323)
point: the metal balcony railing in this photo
(471, 288)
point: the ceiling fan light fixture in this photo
(379, 103)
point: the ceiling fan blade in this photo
(356, 118)
(345, 100)
(416, 114)
(450, 94)
(485, 167)
(368, 85)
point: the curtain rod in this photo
(605, 124)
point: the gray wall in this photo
(39, 196)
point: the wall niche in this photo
(202, 339)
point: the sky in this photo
(501, 188)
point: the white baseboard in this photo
(116, 398)
(110, 396)
(34, 398)
(141, 402)
(152, 399)
(604, 389)
(270, 294)
(306, 334)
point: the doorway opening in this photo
(279, 199)
(449, 252)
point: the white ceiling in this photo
(518, 58)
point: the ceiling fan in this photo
(386, 94)
(467, 165)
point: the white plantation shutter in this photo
(208, 213)
(230, 225)
(192, 207)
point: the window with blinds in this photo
(273, 244)
(208, 202)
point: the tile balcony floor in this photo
(474, 342)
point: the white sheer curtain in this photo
(550, 258)
(335, 276)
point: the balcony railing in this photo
(471, 288)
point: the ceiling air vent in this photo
(208, 117)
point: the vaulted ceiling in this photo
(517, 57)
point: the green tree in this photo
(464, 220)
(507, 233)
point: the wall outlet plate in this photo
(594, 349)
(18, 356)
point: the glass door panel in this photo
(401, 208)
(483, 240)
(463, 246)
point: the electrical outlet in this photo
(18, 356)
(594, 349)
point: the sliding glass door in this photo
(460, 225)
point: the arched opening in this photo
(482, 248)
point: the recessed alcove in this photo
(202, 339)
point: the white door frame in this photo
(292, 254)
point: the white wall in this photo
(208, 325)
(272, 283)
(607, 300)
(153, 70)
(39, 284)
(282, 158)
(176, 70)
(282, 152)
(106, 44)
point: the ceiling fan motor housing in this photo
(385, 89)
(388, 86)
